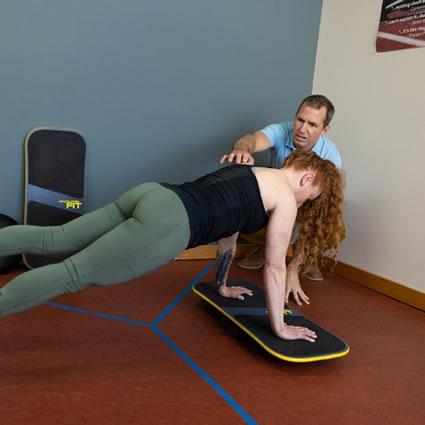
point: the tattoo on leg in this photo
(222, 265)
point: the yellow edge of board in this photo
(273, 353)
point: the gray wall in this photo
(159, 88)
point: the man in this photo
(305, 133)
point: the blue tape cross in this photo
(174, 347)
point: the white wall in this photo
(379, 127)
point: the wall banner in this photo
(401, 26)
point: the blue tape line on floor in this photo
(174, 347)
(207, 378)
(180, 297)
(92, 313)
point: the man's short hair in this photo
(317, 101)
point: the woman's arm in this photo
(225, 253)
(277, 239)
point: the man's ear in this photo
(307, 178)
(326, 129)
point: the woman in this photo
(152, 223)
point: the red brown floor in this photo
(171, 361)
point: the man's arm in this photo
(245, 146)
(225, 253)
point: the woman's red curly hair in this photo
(319, 222)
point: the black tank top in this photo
(222, 203)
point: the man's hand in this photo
(296, 332)
(238, 157)
(293, 287)
(237, 292)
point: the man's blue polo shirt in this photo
(280, 136)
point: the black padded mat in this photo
(325, 344)
(257, 300)
(252, 317)
(55, 161)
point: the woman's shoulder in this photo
(274, 187)
(272, 175)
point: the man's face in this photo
(308, 127)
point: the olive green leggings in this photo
(144, 229)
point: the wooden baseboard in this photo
(384, 286)
(208, 252)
